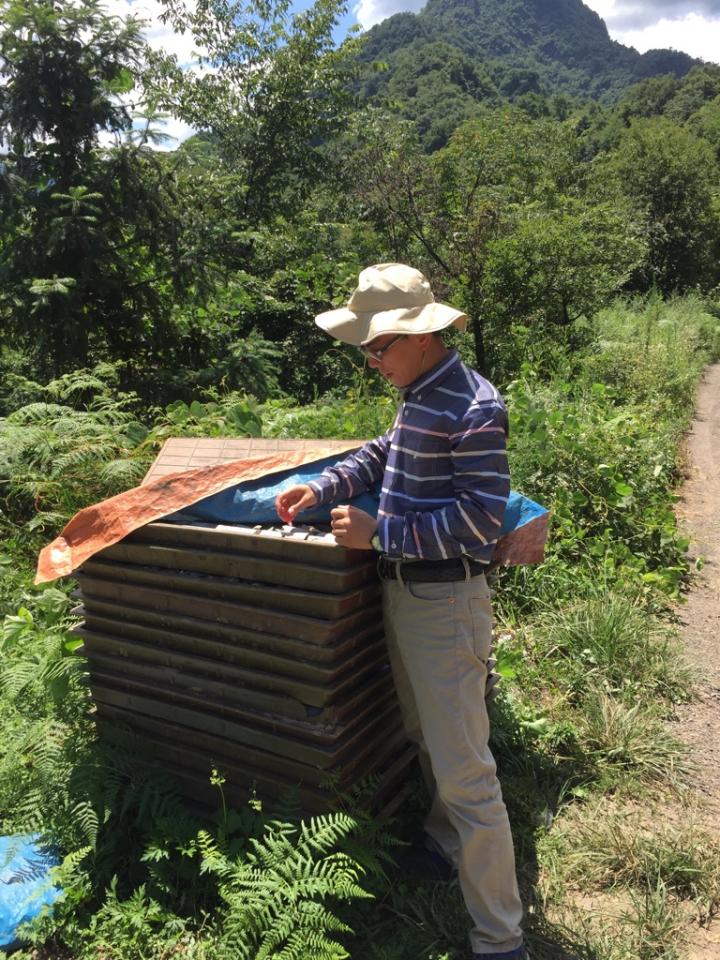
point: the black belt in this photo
(430, 571)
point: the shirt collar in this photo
(434, 377)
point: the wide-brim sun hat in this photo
(389, 298)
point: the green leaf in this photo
(136, 432)
(541, 725)
(122, 82)
(238, 413)
(53, 604)
(58, 688)
(16, 627)
(43, 287)
(178, 412)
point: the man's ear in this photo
(424, 340)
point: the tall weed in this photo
(608, 644)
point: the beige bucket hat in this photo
(389, 298)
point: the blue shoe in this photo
(517, 954)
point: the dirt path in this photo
(699, 514)
(698, 723)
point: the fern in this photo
(276, 892)
(57, 459)
(123, 472)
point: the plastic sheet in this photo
(25, 885)
(244, 492)
(107, 522)
(253, 501)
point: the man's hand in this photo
(353, 528)
(292, 501)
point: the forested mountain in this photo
(461, 52)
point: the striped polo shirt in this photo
(442, 466)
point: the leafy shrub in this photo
(43, 711)
(232, 415)
(599, 450)
(602, 474)
(361, 413)
(650, 352)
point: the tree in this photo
(63, 65)
(701, 85)
(670, 178)
(92, 238)
(271, 89)
(431, 83)
(499, 221)
(705, 123)
(558, 264)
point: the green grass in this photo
(611, 644)
(647, 877)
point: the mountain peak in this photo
(563, 42)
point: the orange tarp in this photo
(105, 523)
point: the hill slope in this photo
(540, 46)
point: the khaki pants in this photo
(438, 637)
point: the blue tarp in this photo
(254, 502)
(25, 885)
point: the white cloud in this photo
(177, 131)
(174, 129)
(602, 7)
(370, 12)
(693, 34)
(637, 14)
(160, 36)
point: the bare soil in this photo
(698, 722)
(699, 515)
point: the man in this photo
(445, 485)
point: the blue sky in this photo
(689, 25)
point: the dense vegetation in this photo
(145, 295)
(590, 675)
(202, 267)
(467, 53)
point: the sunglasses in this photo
(379, 354)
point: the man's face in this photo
(402, 363)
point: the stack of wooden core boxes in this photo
(255, 651)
